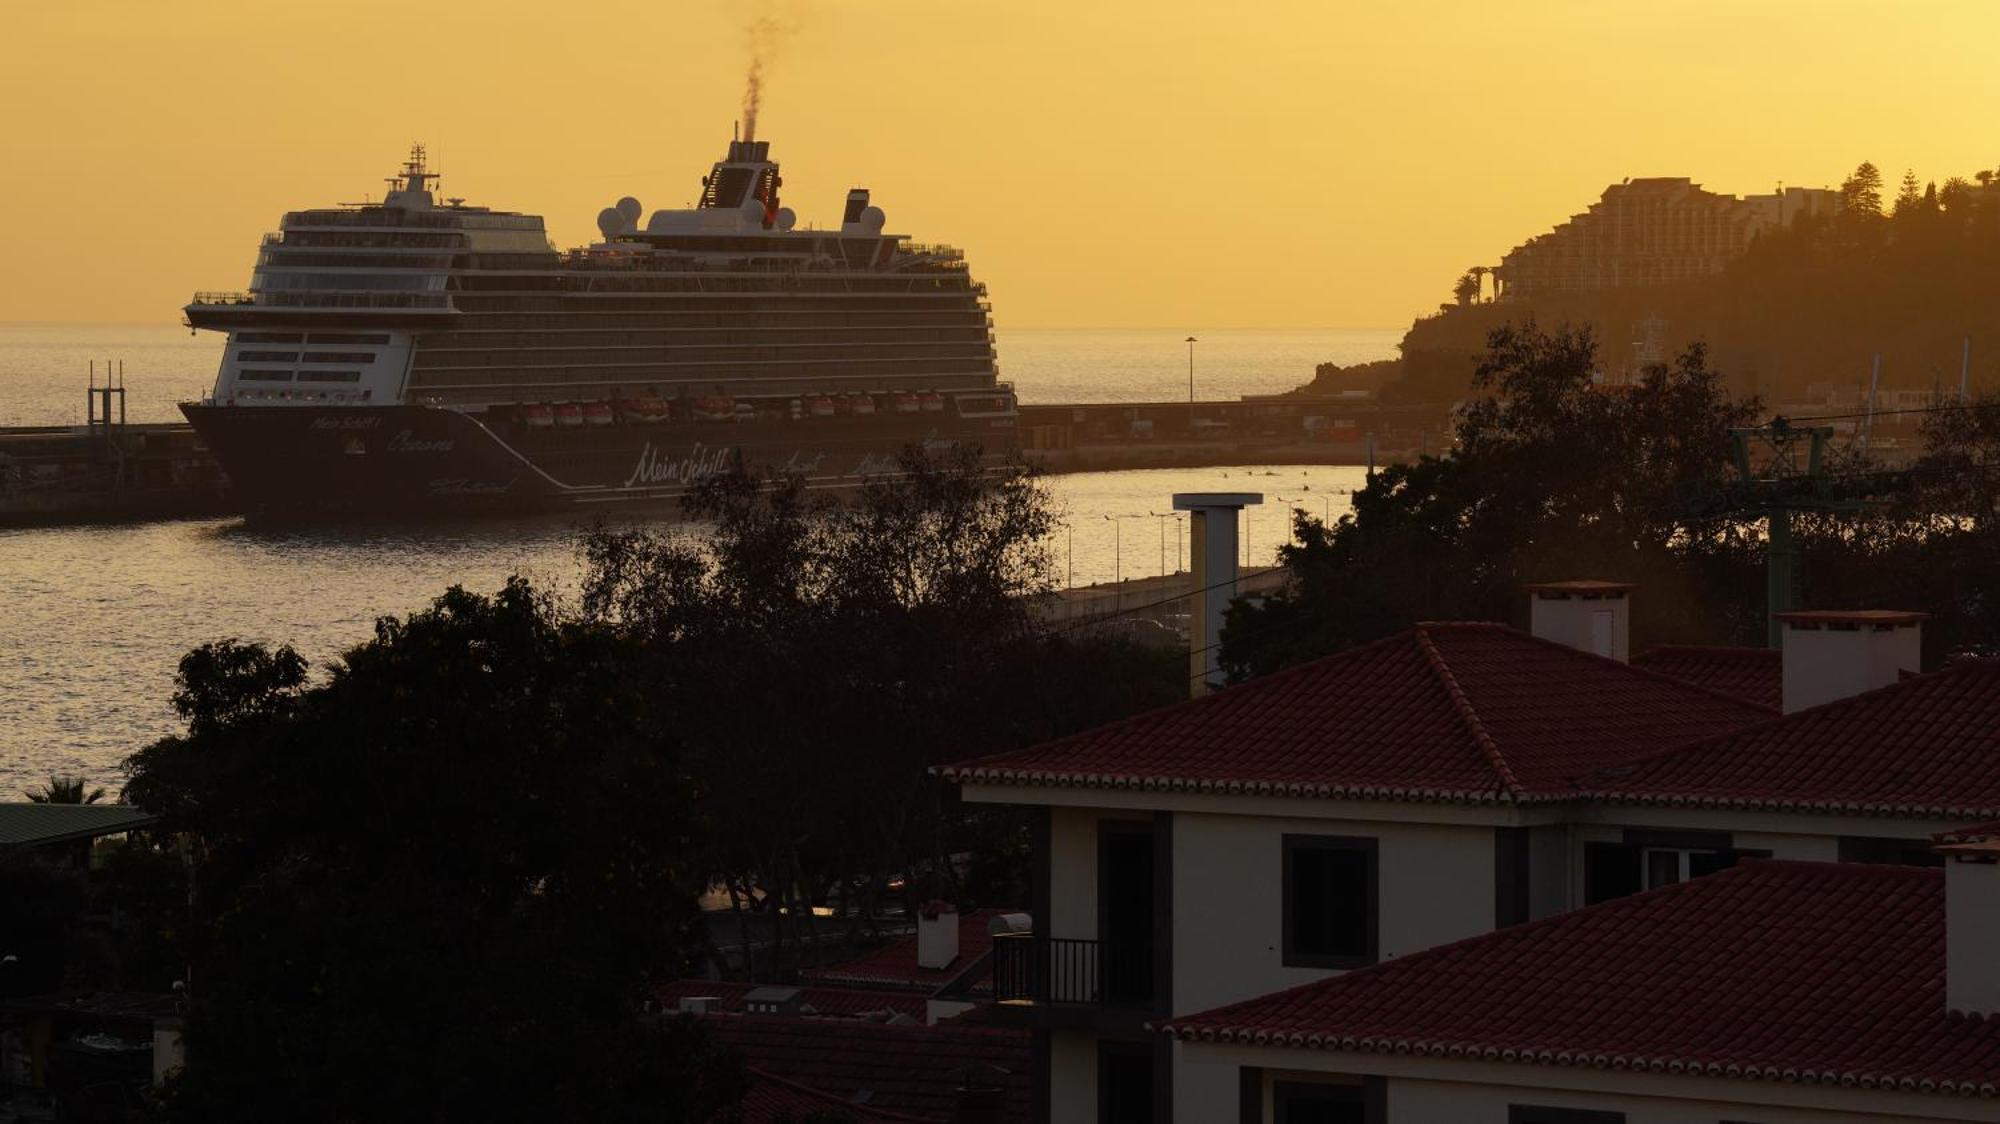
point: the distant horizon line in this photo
(1012, 328)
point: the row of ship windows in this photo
(477, 319)
(317, 337)
(690, 353)
(703, 337)
(310, 357)
(743, 372)
(303, 376)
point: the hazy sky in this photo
(1180, 164)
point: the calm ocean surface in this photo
(93, 619)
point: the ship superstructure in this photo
(414, 352)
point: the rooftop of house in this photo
(840, 1002)
(912, 1070)
(1462, 712)
(894, 965)
(27, 824)
(1755, 675)
(1828, 973)
(1927, 746)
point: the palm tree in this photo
(65, 790)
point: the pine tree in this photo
(1910, 196)
(1861, 193)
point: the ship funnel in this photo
(749, 152)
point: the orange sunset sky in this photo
(1145, 165)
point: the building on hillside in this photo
(1650, 231)
(1788, 992)
(1430, 787)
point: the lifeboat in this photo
(569, 413)
(861, 404)
(645, 409)
(819, 406)
(932, 401)
(715, 407)
(536, 415)
(745, 412)
(843, 406)
(597, 413)
(905, 403)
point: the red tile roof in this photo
(1754, 675)
(1927, 746)
(772, 1098)
(894, 965)
(844, 1002)
(1461, 712)
(915, 1070)
(1828, 973)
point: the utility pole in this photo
(1191, 341)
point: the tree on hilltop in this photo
(1861, 193)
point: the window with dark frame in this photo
(1331, 898)
(1298, 1102)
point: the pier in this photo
(106, 470)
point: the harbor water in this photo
(94, 619)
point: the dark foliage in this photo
(436, 885)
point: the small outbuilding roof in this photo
(25, 824)
(1822, 973)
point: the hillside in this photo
(1804, 305)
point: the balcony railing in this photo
(323, 299)
(1058, 970)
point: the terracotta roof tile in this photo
(1824, 972)
(914, 1070)
(1752, 674)
(1926, 746)
(1465, 711)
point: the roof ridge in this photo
(1828, 707)
(1463, 706)
(1657, 676)
(1711, 649)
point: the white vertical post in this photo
(1213, 545)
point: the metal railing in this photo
(1034, 969)
(371, 300)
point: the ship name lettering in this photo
(324, 422)
(404, 442)
(658, 466)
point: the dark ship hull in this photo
(307, 462)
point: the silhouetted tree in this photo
(1550, 477)
(1861, 193)
(61, 789)
(437, 884)
(1465, 289)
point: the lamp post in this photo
(1191, 341)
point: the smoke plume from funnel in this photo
(764, 35)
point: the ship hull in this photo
(366, 462)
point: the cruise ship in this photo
(420, 354)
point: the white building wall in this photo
(1073, 872)
(1203, 1091)
(1072, 1077)
(1435, 885)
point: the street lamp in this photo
(1191, 341)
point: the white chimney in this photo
(1831, 655)
(937, 935)
(1590, 616)
(1212, 537)
(1972, 920)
